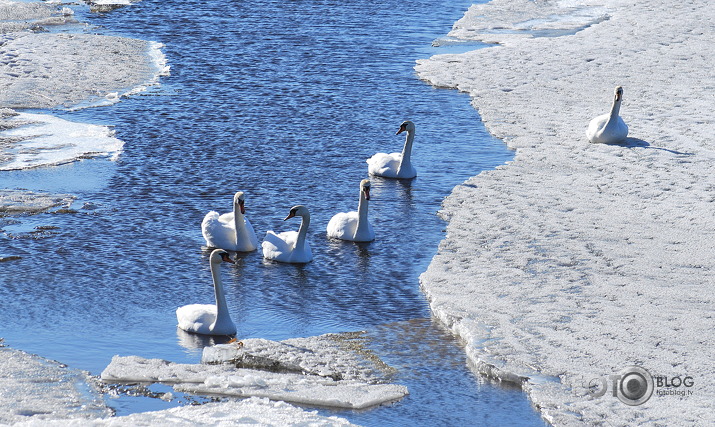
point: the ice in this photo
(39, 389)
(13, 202)
(34, 140)
(227, 380)
(253, 411)
(576, 260)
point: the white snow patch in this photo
(576, 260)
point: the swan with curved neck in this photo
(231, 231)
(395, 165)
(353, 225)
(290, 246)
(209, 319)
(609, 128)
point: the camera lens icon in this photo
(635, 386)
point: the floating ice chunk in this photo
(42, 140)
(23, 202)
(31, 386)
(226, 380)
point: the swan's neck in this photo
(615, 110)
(362, 213)
(238, 220)
(407, 151)
(302, 231)
(221, 307)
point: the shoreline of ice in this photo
(576, 260)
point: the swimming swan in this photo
(609, 128)
(353, 225)
(395, 165)
(209, 319)
(290, 246)
(231, 231)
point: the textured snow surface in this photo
(309, 371)
(253, 411)
(576, 260)
(39, 389)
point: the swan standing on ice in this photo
(395, 165)
(354, 225)
(609, 128)
(209, 319)
(231, 231)
(290, 246)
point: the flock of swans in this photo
(232, 231)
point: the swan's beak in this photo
(402, 129)
(366, 190)
(227, 258)
(290, 215)
(243, 209)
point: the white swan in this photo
(209, 319)
(609, 128)
(395, 165)
(354, 225)
(231, 231)
(290, 246)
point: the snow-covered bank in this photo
(577, 260)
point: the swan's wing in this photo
(216, 233)
(343, 225)
(196, 317)
(248, 234)
(384, 164)
(274, 246)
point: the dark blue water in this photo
(285, 101)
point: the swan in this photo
(290, 246)
(609, 128)
(354, 225)
(395, 165)
(209, 319)
(231, 231)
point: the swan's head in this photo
(619, 93)
(298, 210)
(365, 188)
(238, 200)
(219, 255)
(406, 126)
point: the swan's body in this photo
(609, 128)
(209, 319)
(290, 246)
(354, 225)
(231, 231)
(395, 165)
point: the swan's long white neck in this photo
(221, 307)
(407, 151)
(238, 222)
(362, 213)
(615, 109)
(302, 231)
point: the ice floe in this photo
(574, 261)
(309, 371)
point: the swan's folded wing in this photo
(216, 233)
(274, 246)
(196, 317)
(342, 225)
(384, 164)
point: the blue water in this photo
(283, 100)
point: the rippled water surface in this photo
(285, 101)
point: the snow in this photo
(576, 260)
(309, 371)
(253, 411)
(37, 388)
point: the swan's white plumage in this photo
(353, 226)
(290, 246)
(395, 165)
(220, 231)
(609, 128)
(209, 319)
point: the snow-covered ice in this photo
(308, 371)
(35, 388)
(576, 260)
(253, 411)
